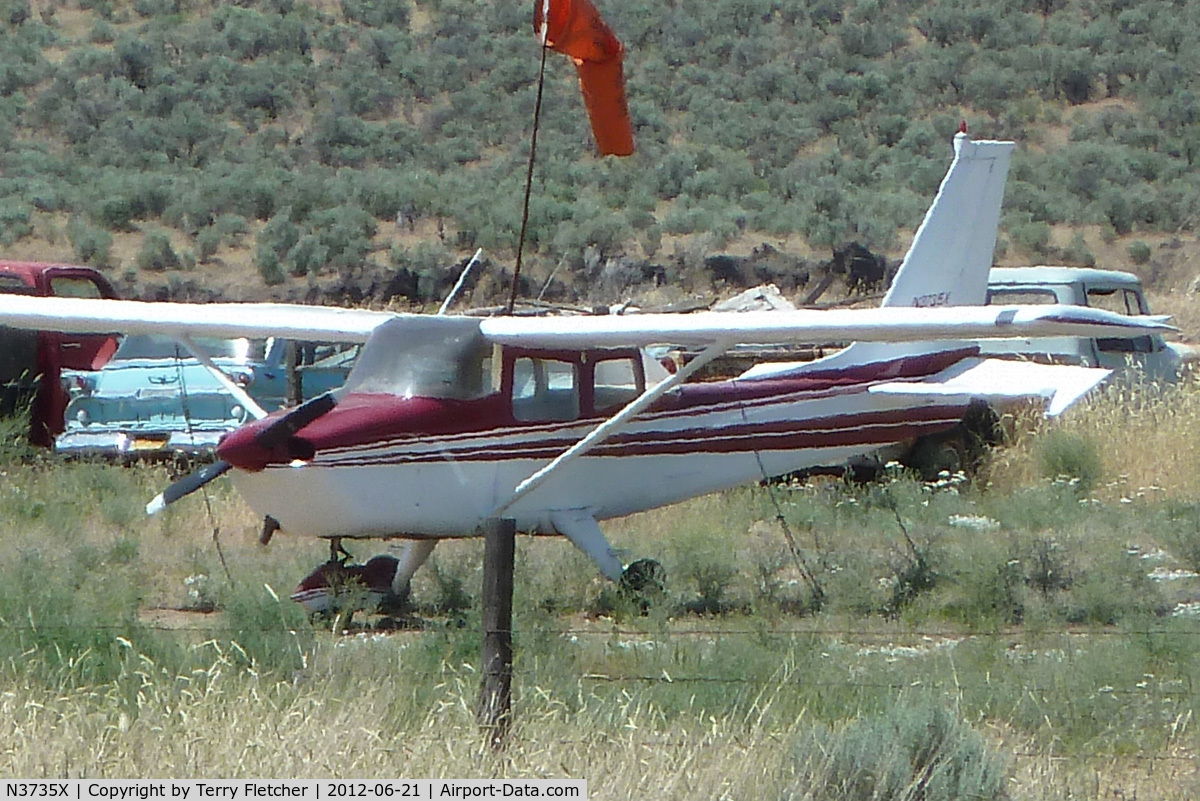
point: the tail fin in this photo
(951, 253)
(948, 262)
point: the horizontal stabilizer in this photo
(1060, 385)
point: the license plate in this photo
(143, 444)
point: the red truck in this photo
(31, 362)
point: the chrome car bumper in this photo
(137, 444)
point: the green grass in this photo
(1000, 626)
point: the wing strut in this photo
(612, 424)
(243, 397)
(581, 529)
(462, 279)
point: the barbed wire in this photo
(366, 636)
(958, 686)
(852, 634)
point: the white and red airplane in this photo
(560, 422)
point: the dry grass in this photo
(243, 696)
(338, 720)
(1147, 437)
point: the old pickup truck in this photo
(31, 363)
(1148, 358)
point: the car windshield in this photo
(145, 346)
(428, 357)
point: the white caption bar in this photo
(311, 790)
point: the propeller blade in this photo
(286, 426)
(187, 485)
(272, 436)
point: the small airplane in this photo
(561, 422)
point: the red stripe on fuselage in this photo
(866, 429)
(383, 428)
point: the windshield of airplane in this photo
(149, 346)
(424, 356)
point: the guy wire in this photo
(187, 421)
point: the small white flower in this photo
(974, 522)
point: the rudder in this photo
(951, 254)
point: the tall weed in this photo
(1144, 436)
(1070, 455)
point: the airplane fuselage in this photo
(382, 465)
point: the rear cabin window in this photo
(545, 389)
(74, 287)
(1020, 297)
(615, 384)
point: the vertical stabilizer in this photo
(950, 257)
(951, 253)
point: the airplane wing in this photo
(223, 320)
(323, 323)
(895, 324)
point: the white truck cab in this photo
(1152, 357)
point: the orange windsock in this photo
(574, 27)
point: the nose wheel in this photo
(338, 588)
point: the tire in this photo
(942, 453)
(962, 448)
(644, 582)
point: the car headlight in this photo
(82, 417)
(76, 385)
(237, 412)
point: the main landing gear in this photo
(644, 583)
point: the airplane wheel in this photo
(963, 448)
(395, 604)
(932, 456)
(645, 583)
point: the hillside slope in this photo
(282, 148)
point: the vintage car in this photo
(1148, 357)
(153, 399)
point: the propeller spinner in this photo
(272, 436)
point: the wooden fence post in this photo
(494, 711)
(295, 393)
